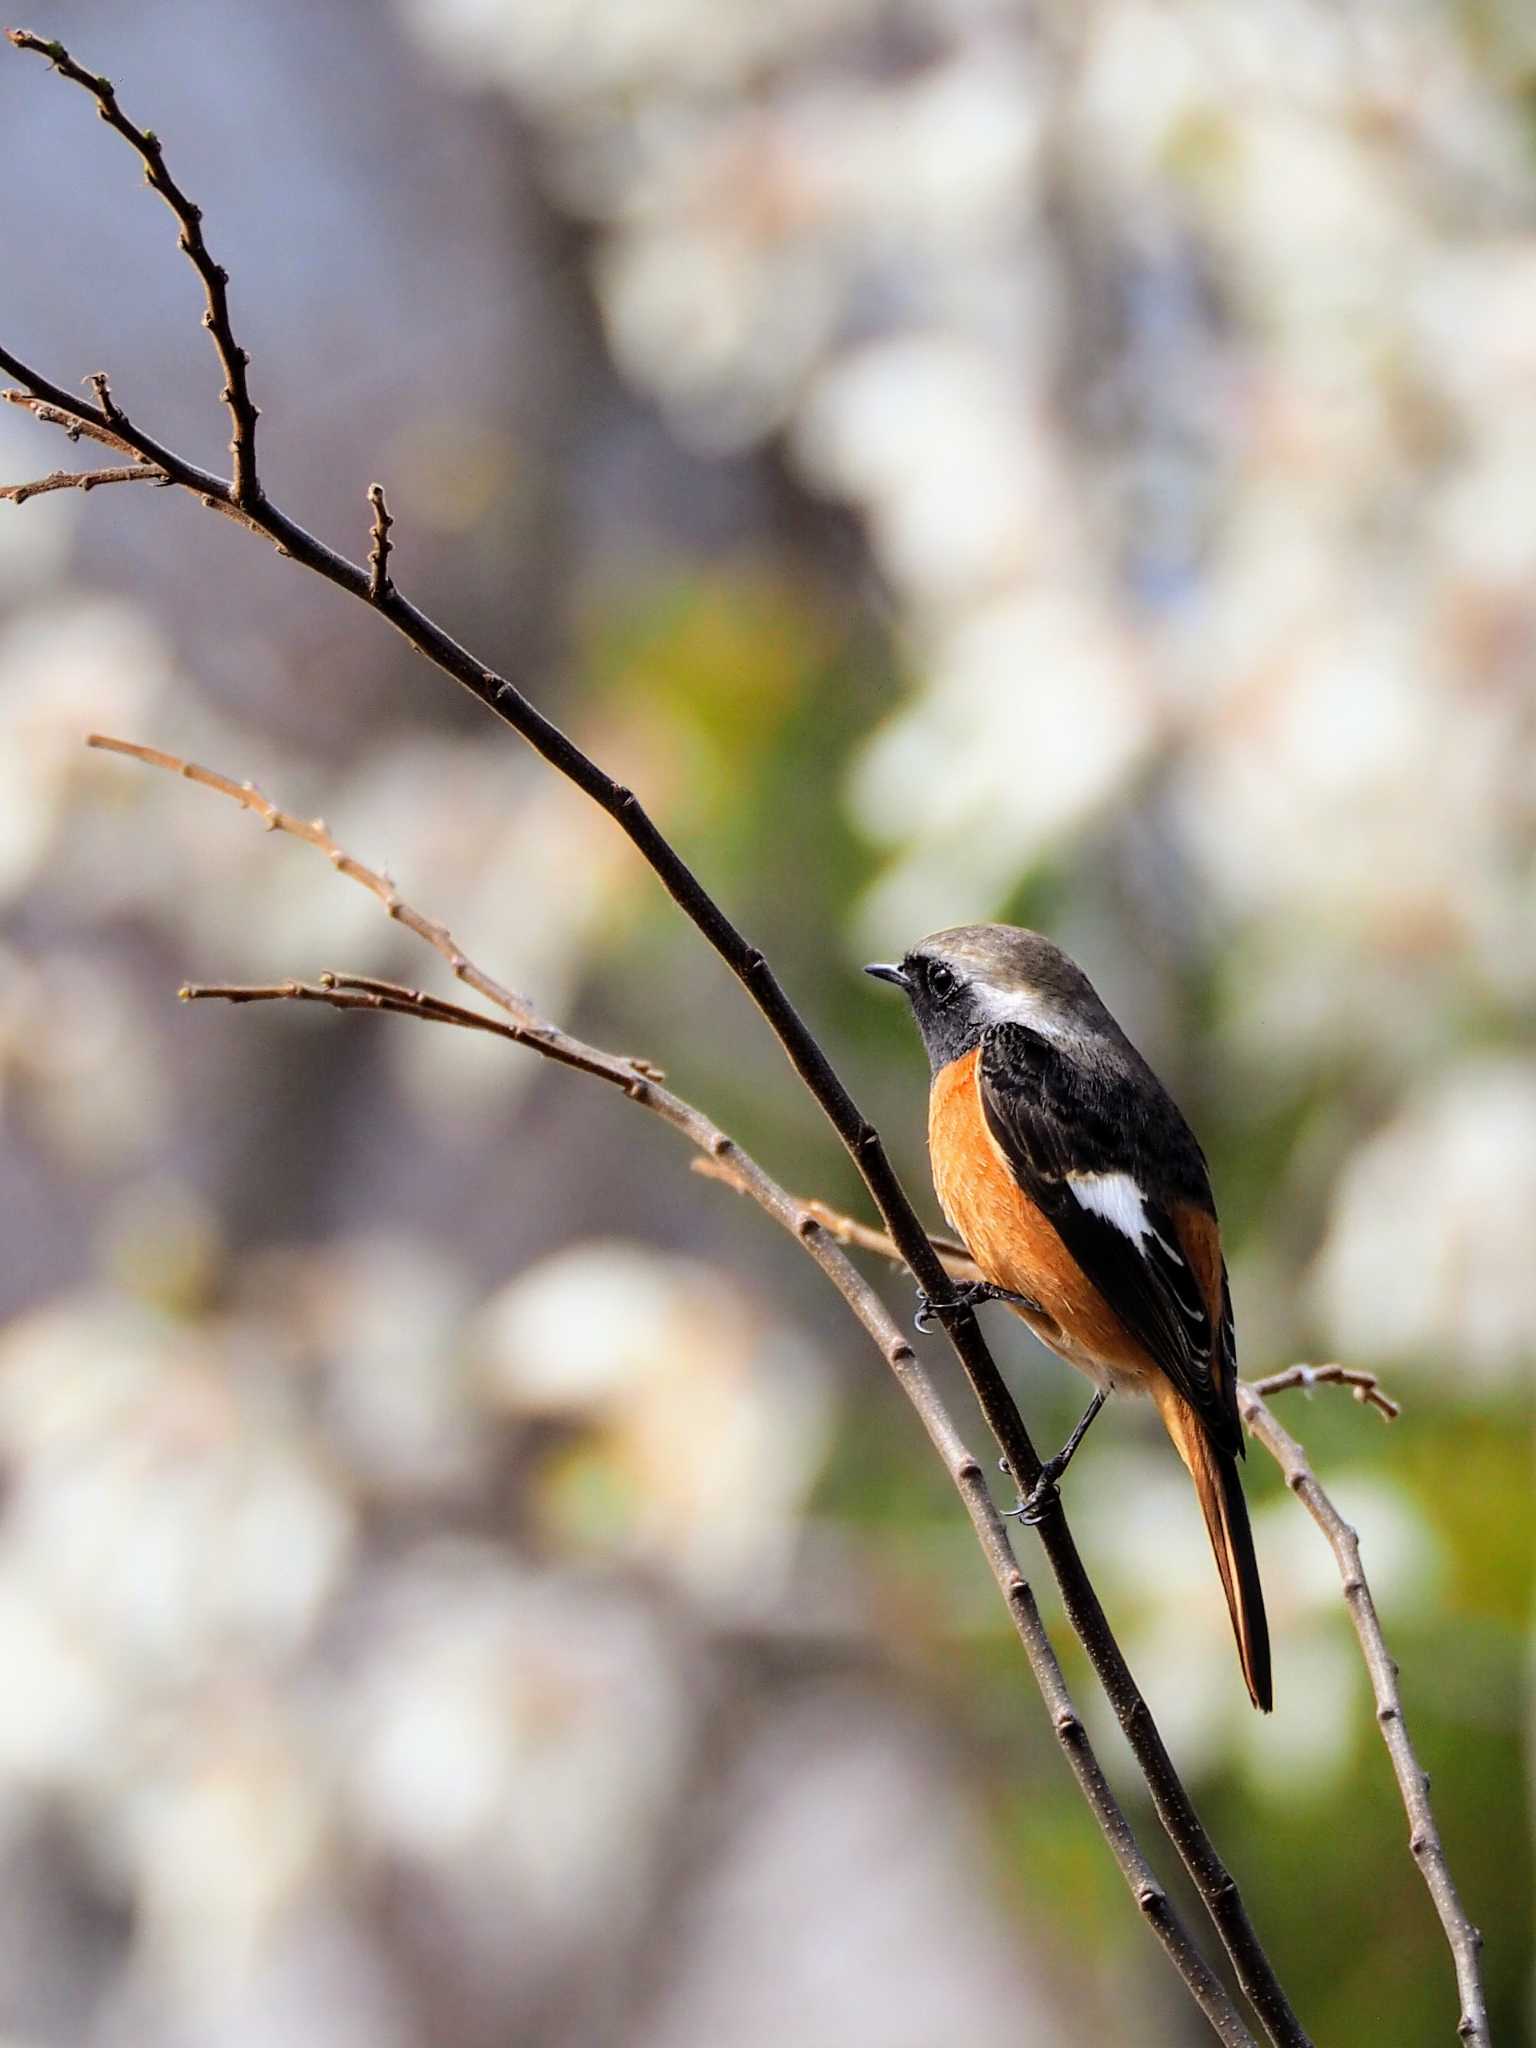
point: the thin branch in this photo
(233, 359)
(1412, 1780)
(51, 406)
(81, 480)
(957, 1261)
(379, 552)
(721, 1158)
(313, 832)
(365, 992)
(1215, 1883)
(111, 411)
(1365, 1386)
(74, 423)
(1413, 1783)
(725, 1160)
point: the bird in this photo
(1084, 1199)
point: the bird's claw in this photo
(933, 1309)
(1034, 1506)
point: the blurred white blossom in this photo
(1428, 1256)
(1146, 1544)
(709, 1418)
(66, 669)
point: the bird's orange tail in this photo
(1220, 1491)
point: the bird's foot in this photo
(1034, 1506)
(933, 1308)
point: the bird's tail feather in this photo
(1220, 1492)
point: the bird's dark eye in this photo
(942, 982)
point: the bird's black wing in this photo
(1103, 1151)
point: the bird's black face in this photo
(943, 999)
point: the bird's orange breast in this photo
(1011, 1239)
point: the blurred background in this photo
(463, 1578)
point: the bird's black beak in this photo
(884, 972)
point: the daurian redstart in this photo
(1083, 1196)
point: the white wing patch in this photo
(1117, 1198)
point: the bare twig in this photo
(1424, 1838)
(725, 1160)
(379, 551)
(111, 412)
(957, 1261)
(313, 832)
(215, 279)
(74, 423)
(1412, 1780)
(81, 480)
(52, 406)
(243, 498)
(1365, 1386)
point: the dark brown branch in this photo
(379, 551)
(723, 1159)
(81, 480)
(215, 279)
(1217, 1888)
(52, 406)
(1412, 1780)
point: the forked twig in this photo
(233, 359)
(726, 1161)
(1412, 1780)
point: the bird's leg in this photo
(1043, 1493)
(932, 1308)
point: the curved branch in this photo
(244, 500)
(725, 1160)
(1365, 1386)
(233, 359)
(1412, 1780)
(721, 1158)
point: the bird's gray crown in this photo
(962, 980)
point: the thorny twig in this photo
(640, 1081)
